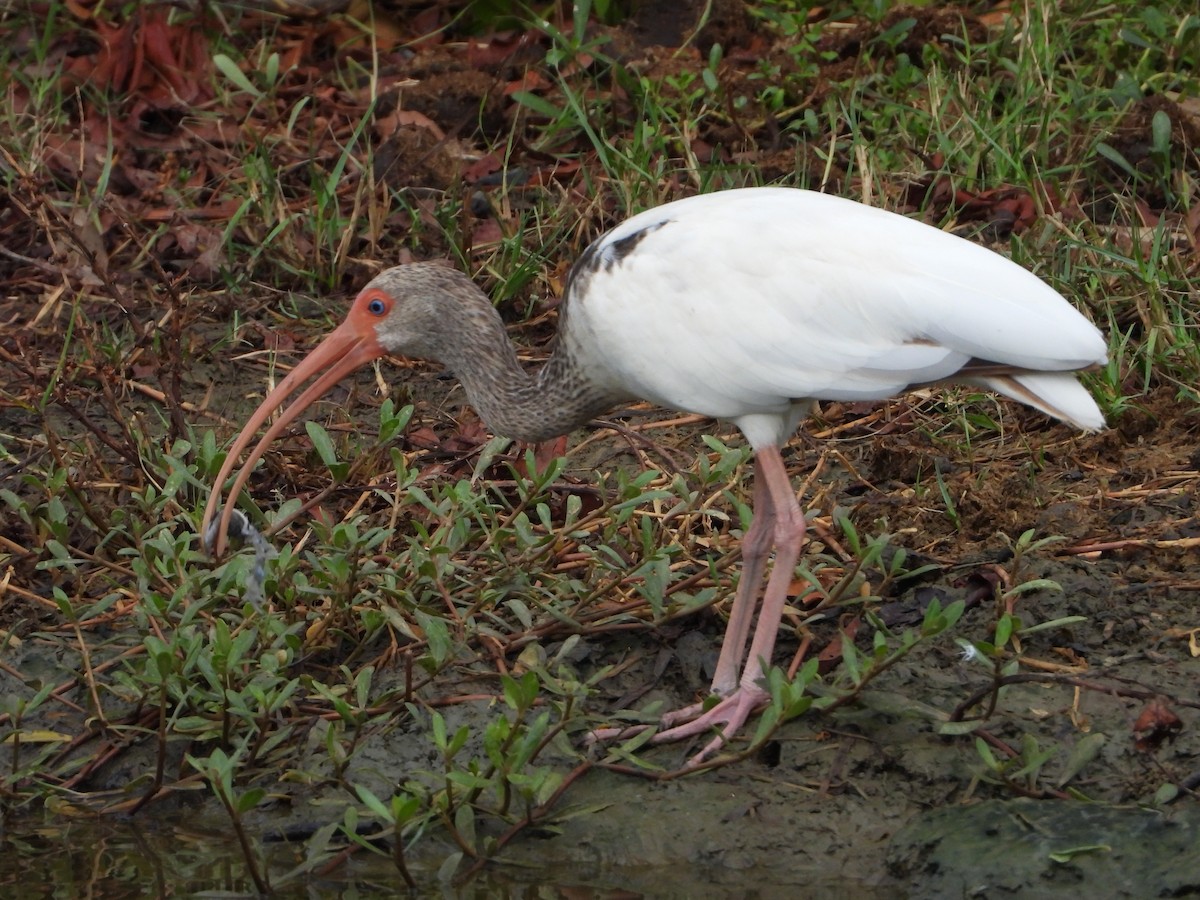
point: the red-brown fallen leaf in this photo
(703, 151)
(1005, 205)
(291, 55)
(531, 80)
(424, 438)
(459, 445)
(82, 154)
(279, 340)
(832, 654)
(384, 34)
(997, 17)
(322, 515)
(1147, 216)
(940, 190)
(580, 62)
(157, 52)
(78, 10)
(188, 237)
(487, 232)
(109, 66)
(1156, 724)
(557, 171)
(1069, 209)
(752, 53)
(482, 167)
(428, 24)
(155, 63)
(386, 126)
(1192, 220)
(206, 248)
(471, 434)
(214, 212)
(1008, 207)
(545, 452)
(802, 590)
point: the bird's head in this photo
(400, 311)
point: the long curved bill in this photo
(345, 349)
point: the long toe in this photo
(727, 718)
(602, 735)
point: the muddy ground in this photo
(869, 800)
(872, 798)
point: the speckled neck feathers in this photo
(440, 314)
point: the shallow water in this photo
(151, 857)
(1012, 848)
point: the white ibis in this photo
(746, 305)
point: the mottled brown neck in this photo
(554, 400)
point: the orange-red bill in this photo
(349, 347)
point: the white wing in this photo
(742, 303)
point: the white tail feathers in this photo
(1057, 394)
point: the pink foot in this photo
(669, 720)
(731, 713)
(779, 525)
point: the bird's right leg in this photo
(787, 536)
(757, 544)
(778, 525)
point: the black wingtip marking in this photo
(616, 252)
(606, 254)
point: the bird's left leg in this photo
(756, 547)
(788, 533)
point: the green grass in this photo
(428, 567)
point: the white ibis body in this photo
(746, 305)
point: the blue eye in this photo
(377, 307)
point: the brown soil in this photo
(872, 798)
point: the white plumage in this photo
(749, 300)
(746, 305)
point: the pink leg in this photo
(785, 529)
(756, 546)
